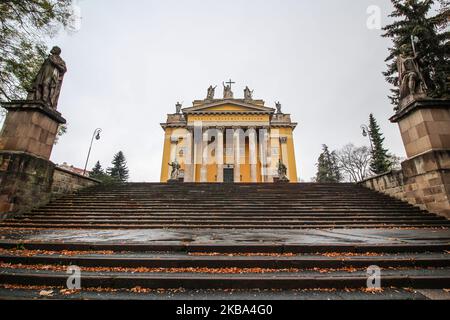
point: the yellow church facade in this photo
(228, 140)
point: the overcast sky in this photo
(131, 61)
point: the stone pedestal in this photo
(179, 180)
(425, 130)
(280, 180)
(30, 127)
(424, 126)
(26, 143)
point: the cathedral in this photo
(228, 140)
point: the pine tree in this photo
(413, 19)
(119, 170)
(97, 172)
(381, 162)
(327, 167)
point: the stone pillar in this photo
(284, 153)
(219, 154)
(425, 129)
(197, 146)
(26, 143)
(274, 144)
(237, 154)
(173, 152)
(263, 152)
(188, 165)
(204, 167)
(253, 155)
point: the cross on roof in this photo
(230, 83)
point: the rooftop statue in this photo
(227, 93)
(248, 94)
(211, 93)
(178, 107)
(48, 82)
(278, 106)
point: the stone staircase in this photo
(194, 244)
(227, 206)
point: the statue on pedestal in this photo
(174, 175)
(211, 93)
(48, 82)
(248, 94)
(282, 171)
(411, 81)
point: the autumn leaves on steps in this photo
(402, 266)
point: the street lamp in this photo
(366, 133)
(96, 135)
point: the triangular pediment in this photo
(230, 105)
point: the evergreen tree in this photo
(119, 170)
(327, 167)
(380, 162)
(97, 172)
(412, 18)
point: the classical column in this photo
(284, 153)
(204, 167)
(188, 164)
(173, 152)
(274, 145)
(219, 154)
(197, 146)
(253, 158)
(263, 151)
(237, 154)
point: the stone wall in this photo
(65, 181)
(424, 181)
(25, 181)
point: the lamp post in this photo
(95, 135)
(366, 133)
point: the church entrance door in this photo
(228, 175)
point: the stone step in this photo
(328, 225)
(233, 217)
(404, 278)
(171, 260)
(30, 293)
(245, 247)
(219, 210)
(209, 221)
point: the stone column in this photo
(284, 153)
(189, 157)
(274, 144)
(197, 146)
(219, 154)
(237, 154)
(263, 151)
(253, 158)
(26, 143)
(173, 152)
(204, 167)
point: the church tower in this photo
(228, 140)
